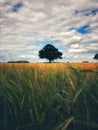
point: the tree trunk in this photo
(49, 61)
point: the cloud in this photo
(28, 25)
(75, 46)
(83, 48)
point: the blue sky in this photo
(26, 26)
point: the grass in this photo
(49, 96)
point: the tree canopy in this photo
(96, 56)
(50, 52)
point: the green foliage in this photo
(96, 57)
(50, 52)
(33, 99)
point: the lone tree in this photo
(96, 56)
(50, 52)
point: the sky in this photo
(26, 26)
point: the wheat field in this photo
(43, 96)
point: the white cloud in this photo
(75, 46)
(44, 19)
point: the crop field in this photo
(44, 96)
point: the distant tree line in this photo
(18, 61)
(50, 53)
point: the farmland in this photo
(42, 96)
